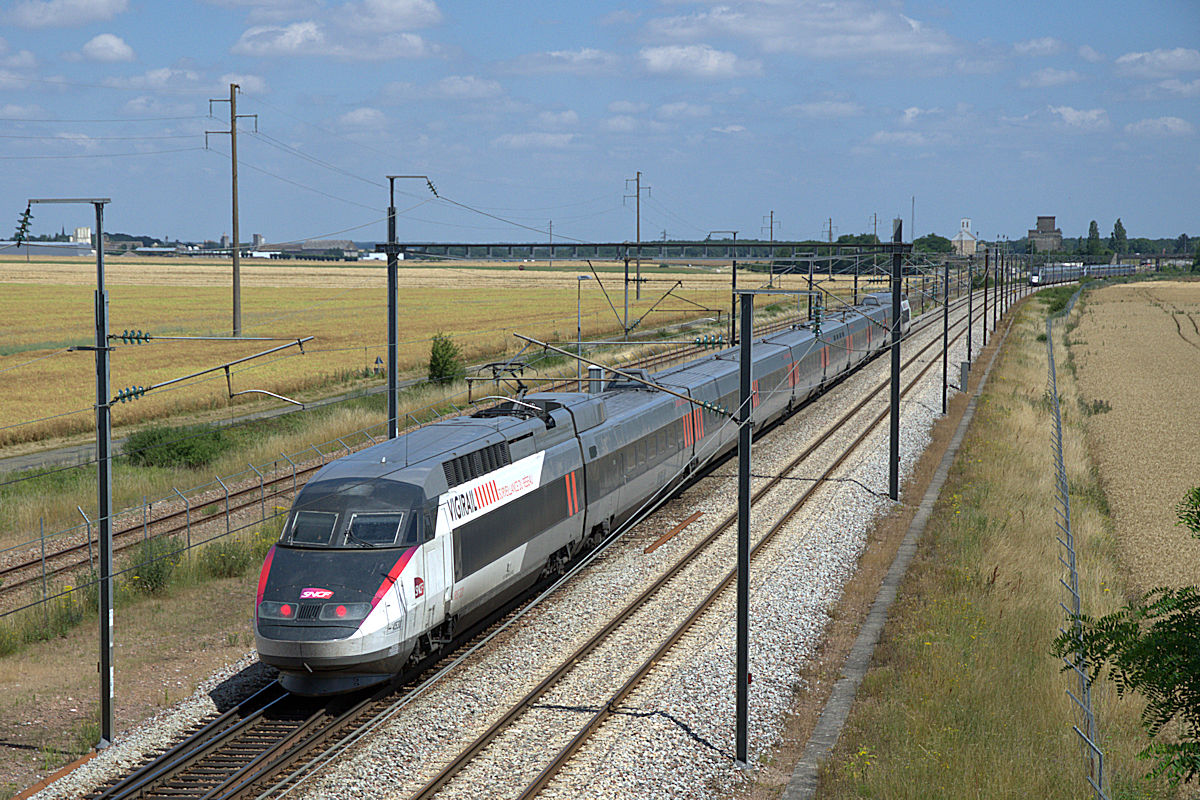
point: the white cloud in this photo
(1162, 126)
(696, 61)
(155, 79)
(248, 83)
(1045, 78)
(1183, 88)
(63, 13)
(1159, 63)
(587, 61)
(361, 118)
(620, 124)
(149, 105)
(683, 110)
(560, 119)
(1044, 46)
(299, 38)
(22, 59)
(626, 107)
(1093, 119)
(910, 114)
(535, 140)
(1090, 54)
(904, 138)
(852, 29)
(13, 111)
(389, 16)
(311, 38)
(107, 47)
(452, 87)
(828, 109)
(730, 129)
(264, 11)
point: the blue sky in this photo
(539, 111)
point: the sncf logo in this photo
(418, 587)
(315, 594)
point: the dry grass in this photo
(1136, 351)
(47, 306)
(964, 699)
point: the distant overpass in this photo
(694, 251)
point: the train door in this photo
(438, 580)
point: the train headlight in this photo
(341, 612)
(269, 610)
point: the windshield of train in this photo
(374, 530)
(313, 527)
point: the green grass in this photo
(157, 567)
(964, 698)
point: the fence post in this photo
(145, 529)
(42, 531)
(262, 493)
(226, 488)
(187, 506)
(89, 535)
(293, 463)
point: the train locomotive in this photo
(386, 552)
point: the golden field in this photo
(45, 306)
(1137, 348)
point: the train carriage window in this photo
(371, 530)
(651, 447)
(312, 527)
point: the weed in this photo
(1094, 407)
(154, 564)
(225, 558)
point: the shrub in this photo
(445, 360)
(171, 447)
(153, 565)
(225, 558)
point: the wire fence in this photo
(1086, 729)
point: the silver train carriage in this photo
(387, 551)
(1048, 274)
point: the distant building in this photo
(82, 235)
(257, 241)
(1045, 238)
(225, 241)
(964, 241)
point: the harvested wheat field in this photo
(46, 306)
(1137, 348)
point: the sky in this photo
(534, 114)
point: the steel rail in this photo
(608, 707)
(487, 737)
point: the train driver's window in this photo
(376, 530)
(312, 527)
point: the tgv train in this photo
(386, 552)
(1065, 273)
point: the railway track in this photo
(243, 500)
(239, 753)
(624, 625)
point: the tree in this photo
(932, 243)
(1196, 260)
(1152, 646)
(1093, 240)
(1183, 244)
(445, 360)
(1117, 241)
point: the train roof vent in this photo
(470, 466)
